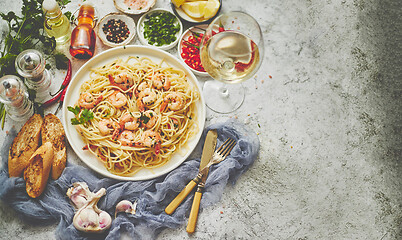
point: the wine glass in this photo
(231, 51)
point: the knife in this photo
(207, 152)
(195, 207)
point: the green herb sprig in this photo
(24, 32)
(81, 116)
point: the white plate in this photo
(140, 29)
(82, 75)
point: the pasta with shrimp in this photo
(143, 112)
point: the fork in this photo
(219, 155)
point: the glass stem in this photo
(224, 91)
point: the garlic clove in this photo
(105, 220)
(80, 194)
(125, 206)
(86, 218)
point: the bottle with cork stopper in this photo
(56, 23)
(14, 95)
(83, 37)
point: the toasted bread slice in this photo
(37, 172)
(53, 131)
(24, 145)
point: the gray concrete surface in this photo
(329, 121)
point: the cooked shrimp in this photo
(173, 101)
(145, 98)
(159, 81)
(127, 138)
(88, 101)
(107, 126)
(150, 139)
(122, 80)
(129, 121)
(118, 99)
(149, 118)
(140, 87)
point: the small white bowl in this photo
(117, 16)
(184, 37)
(140, 29)
(121, 6)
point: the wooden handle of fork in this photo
(180, 197)
(192, 220)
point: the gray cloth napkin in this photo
(152, 196)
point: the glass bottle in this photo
(83, 37)
(56, 23)
(30, 64)
(14, 95)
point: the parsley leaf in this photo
(61, 61)
(75, 110)
(81, 117)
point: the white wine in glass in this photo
(231, 52)
(231, 57)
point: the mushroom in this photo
(89, 218)
(125, 206)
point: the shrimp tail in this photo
(111, 80)
(140, 105)
(158, 148)
(116, 132)
(163, 106)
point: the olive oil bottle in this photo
(56, 23)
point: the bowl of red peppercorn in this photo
(116, 29)
(189, 48)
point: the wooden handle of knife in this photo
(192, 220)
(180, 197)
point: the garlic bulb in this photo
(125, 206)
(88, 218)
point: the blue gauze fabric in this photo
(152, 195)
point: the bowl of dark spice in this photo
(116, 29)
(159, 28)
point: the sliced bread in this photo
(37, 172)
(24, 145)
(53, 131)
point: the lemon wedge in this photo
(211, 8)
(194, 9)
(178, 3)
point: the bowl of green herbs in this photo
(159, 28)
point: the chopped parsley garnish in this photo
(161, 28)
(144, 118)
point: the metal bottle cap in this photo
(14, 95)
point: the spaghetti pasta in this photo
(143, 112)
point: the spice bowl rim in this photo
(126, 9)
(180, 44)
(129, 21)
(140, 29)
